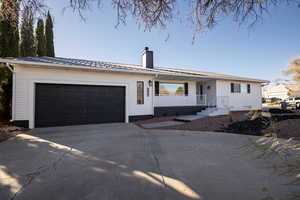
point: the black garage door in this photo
(61, 105)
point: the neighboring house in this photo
(282, 91)
(62, 91)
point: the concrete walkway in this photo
(189, 118)
(124, 162)
(161, 124)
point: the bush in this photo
(5, 93)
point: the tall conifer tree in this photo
(9, 47)
(40, 39)
(27, 37)
(49, 36)
(9, 29)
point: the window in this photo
(186, 89)
(140, 92)
(156, 88)
(240, 88)
(235, 88)
(172, 89)
(244, 88)
(297, 98)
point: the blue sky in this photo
(261, 52)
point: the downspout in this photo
(10, 68)
(13, 90)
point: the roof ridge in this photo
(203, 73)
(115, 66)
(98, 61)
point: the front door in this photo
(199, 88)
(199, 93)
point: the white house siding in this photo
(190, 100)
(26, 77)
(238, 101)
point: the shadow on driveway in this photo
(122, 161)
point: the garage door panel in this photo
(60, 105)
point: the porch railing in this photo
(201, 100)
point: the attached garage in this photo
(54, 91)
(63, 104)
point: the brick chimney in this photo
(147, 58)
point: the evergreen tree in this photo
(27, 38)
(9, 47)
(40, 39)
(5, 93)
(49, 36)
(9, 29)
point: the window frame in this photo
(142, 95)
(249, 88)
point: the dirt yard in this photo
(286, 128)
(203, 124)
(284, 124)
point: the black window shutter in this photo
(186, 89)
(232, 87)
(156, 85)
(248, 88)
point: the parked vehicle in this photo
(272, 100)
(293, 102)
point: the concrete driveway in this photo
(124, 162)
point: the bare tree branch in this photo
(294, 70)
(204, 14)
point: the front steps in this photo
(188, 118)
(214, 112)
(208, 112)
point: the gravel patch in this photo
(7, 131)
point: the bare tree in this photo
(203, 14)
(286, 154)
(38, 6)
(294, 69)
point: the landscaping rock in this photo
(248, 127)
(14, 128)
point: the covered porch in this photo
(183, 95)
